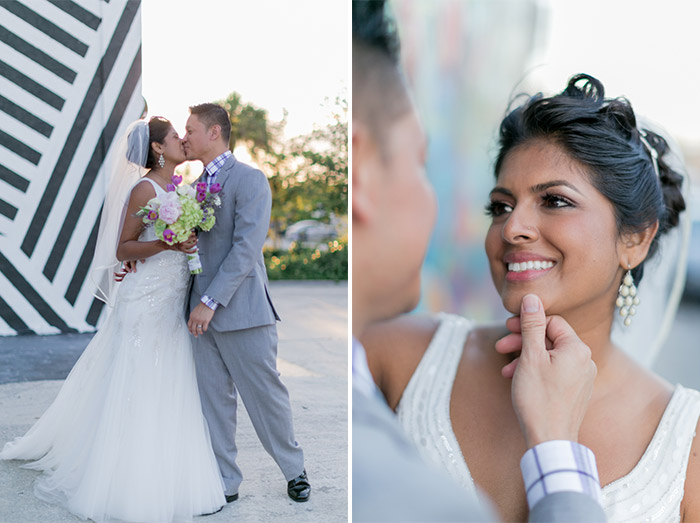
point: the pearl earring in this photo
(627, 298)
(161, 161)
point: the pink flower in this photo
(201, 196)
(170, 209)
(170, 187)
(152, 215)
(215, 188)
(176, 179)
(201, 187)
(168, 235)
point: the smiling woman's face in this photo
(552, 234)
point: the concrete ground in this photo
(313, 361)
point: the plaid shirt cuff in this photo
(559, 466)
(212, 304)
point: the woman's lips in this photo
(528, 270)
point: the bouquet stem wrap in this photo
(194, 263)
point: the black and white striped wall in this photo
(70, 83)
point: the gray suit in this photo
(237, 354)
(391, 482)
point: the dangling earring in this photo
(627, 298)
(161, 161)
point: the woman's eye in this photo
(554, 201)
(497, 208)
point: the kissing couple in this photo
(144, 426)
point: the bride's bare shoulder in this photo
(394, 348)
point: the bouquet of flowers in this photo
(181, 210)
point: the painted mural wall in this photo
(70, 83)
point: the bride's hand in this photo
(189, 246)
(553, 376)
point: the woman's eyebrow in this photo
(501, 190)
(544, 186)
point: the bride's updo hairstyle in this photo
(158, 129)
(140, 138)
(602, 134)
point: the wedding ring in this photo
(199, 326)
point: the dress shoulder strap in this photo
(155, 185)
(424, 409)
(441, 358)
(655, 485)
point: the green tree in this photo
(308, 174)
(249, 124)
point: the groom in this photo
(231, 314)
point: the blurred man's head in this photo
(393, 203)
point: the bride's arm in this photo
(394, 348)
(129, 247)
(690, 506)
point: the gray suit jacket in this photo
(391, 482)
(233, 270)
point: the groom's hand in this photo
(126, 268)
(199, 320)
(553, 376)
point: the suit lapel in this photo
(224, 173)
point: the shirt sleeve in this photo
(559, 466)
(209, 302)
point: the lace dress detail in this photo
(652, 491)
(125, 438)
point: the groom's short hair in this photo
(213, 114)
(379, 89)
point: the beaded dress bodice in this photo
(652, 491)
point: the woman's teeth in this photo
(530, 266)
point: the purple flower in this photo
(168, 235)
(152, 215)
(176, 179)
(201, 187)
(201, 196)
(215, 188)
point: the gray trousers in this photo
(245, 362)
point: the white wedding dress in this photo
(126, 439)
(652, 491)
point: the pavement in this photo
(313, 361)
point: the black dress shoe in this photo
(232, 497)
(299, 488)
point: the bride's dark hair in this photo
(158, 129)
(602, 134)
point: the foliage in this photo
(308, 263)
(308, 174)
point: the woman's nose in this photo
(520, 227)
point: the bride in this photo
(125, 438)
(581, 201)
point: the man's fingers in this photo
(509, 343)
(533, 325)
(508, 371)
(513, 324)
(560, 332)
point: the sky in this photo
(276, 53)
(642, 49)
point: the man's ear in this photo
(214, 132)
(635, 246)
(364, 158)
